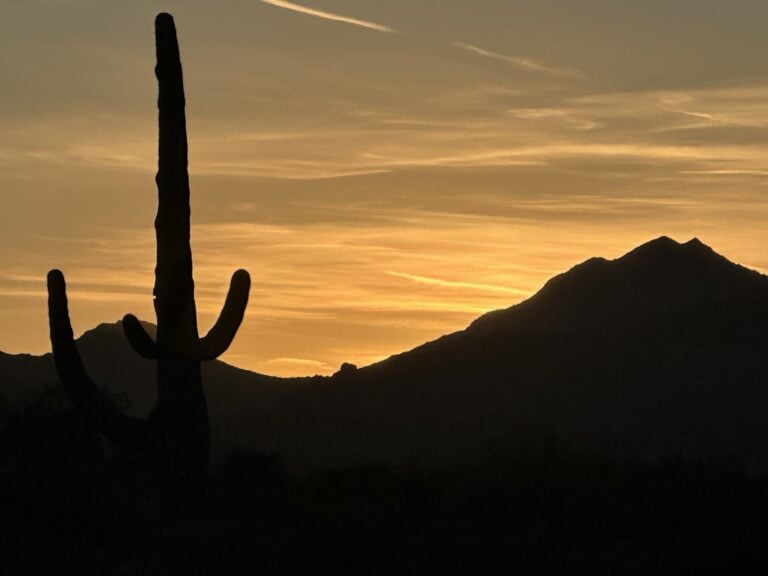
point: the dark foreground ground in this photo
(65, 508)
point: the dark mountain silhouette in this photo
(237, 400)
(661, 352)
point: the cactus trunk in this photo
(180, 398)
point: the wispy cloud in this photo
(299, 361)
(329, 15)
(522, 63)
(726, 172)
(459, 285)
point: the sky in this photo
(386, 170)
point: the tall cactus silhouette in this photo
(177, 429)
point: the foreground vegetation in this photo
(69, 506)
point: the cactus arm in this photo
(78, 385)
(138, 338)
(220, 336)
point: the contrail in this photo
(329, 15)
(524, 63)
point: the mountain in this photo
(661, 352)
(239, 401)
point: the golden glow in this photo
(383, 189)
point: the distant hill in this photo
(239, 401)
(658, 353)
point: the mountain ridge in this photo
(658, 351)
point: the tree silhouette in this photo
(177, 430)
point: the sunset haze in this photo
(386, 171)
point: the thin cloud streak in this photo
(522, 63)
(726, 172)
(298, 361)
(460, 285)
(329, 15)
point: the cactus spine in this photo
(177, 428)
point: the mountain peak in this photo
(669, 259)
(662, 276)
(667, 243)
(664, 246)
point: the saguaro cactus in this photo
(178, 426)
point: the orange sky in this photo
(387, 171)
